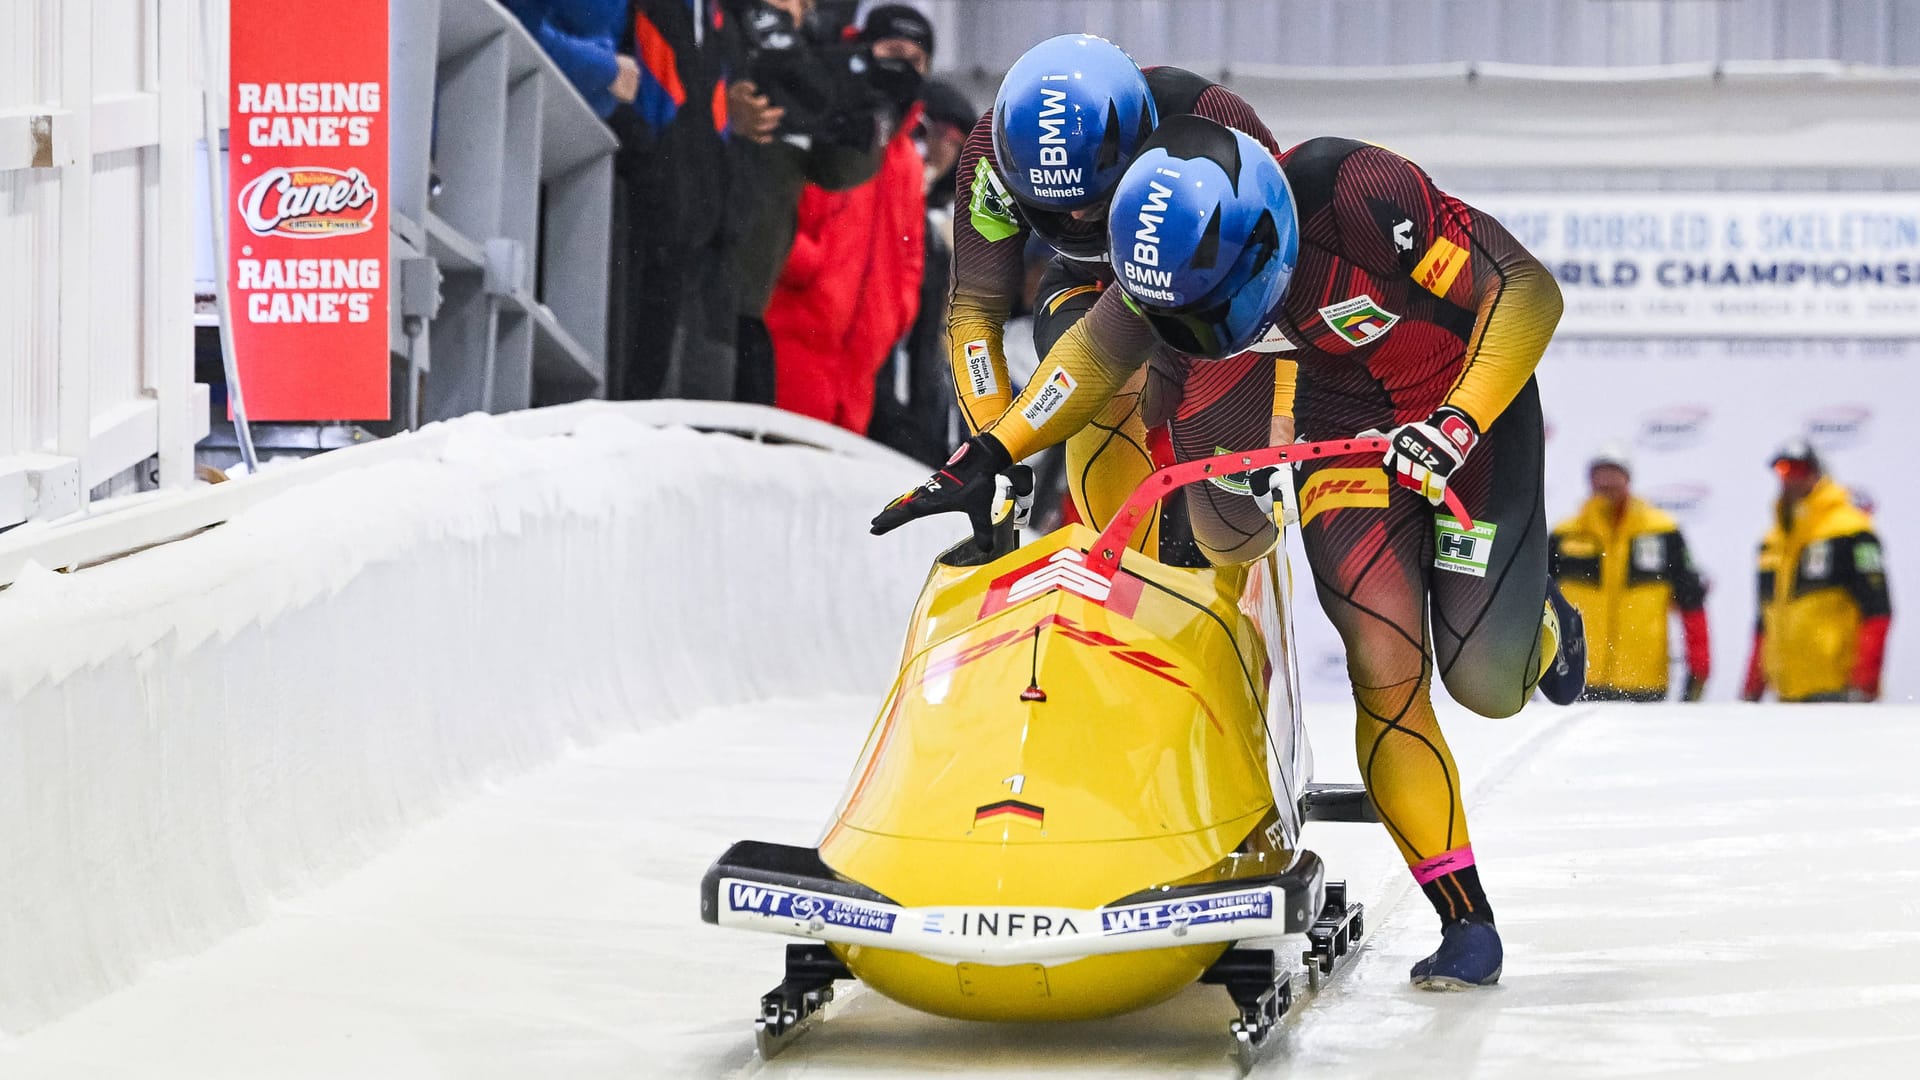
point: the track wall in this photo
(190, 732)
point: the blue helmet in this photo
(1205, 237)
(1069, 117)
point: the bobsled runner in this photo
(1084, 792)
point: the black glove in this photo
(1265, 484)
(965, 484)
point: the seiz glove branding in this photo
(966, 484)
(1423, 455)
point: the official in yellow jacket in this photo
(1824, 611)
(1622, 562)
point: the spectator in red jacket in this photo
(851, 287)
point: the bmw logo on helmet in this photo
(1205, 237)
(1069, 117)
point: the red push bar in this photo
(1104, 559)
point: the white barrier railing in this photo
(198, 728)
(160, 519)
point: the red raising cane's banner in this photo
(306, 236)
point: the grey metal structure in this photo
(503, 177)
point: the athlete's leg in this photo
(1370, 546)
(1490, 587)
(1108, 458)
(1226, 406)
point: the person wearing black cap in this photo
(827, 108)
(1623, 563)
(901, 38)
(851, 286)
(1824, 611)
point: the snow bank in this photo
(192, 731)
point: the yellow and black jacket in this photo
(1823, 601)
(1623, 574)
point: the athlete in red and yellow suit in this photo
(1404, 300)
(1107, 456)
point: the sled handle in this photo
(1104, 559)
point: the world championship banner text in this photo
(1674, 264)
(306, 236)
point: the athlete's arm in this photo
(1690, 597)
(1080, 375)
(1398, 222)
(1286, 377)
(1756, 683)
(1866, 578)
(989, 247)
(1518, 305)
(1077, 378)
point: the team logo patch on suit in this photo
(1867, 559)
(1336, 489)
(1053, 394)
(991, 208)
(1232, 483)
(1817, 563)
(1009, 810)
(1358, 321)
(980, 369)
(1462, 551)
(1650, 553)
(1440, 265)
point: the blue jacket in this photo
(579, 35)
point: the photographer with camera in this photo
(851, 286)
(822, 117)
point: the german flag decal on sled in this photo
(1009, 810)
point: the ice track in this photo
(1709, 890)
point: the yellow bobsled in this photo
(1084, 788)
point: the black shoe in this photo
(1469, 955)
(1566, 676)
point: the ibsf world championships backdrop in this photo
(1701, 332)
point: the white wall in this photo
(190, 732)
(98, 101)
